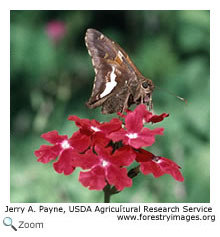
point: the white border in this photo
(86, 225)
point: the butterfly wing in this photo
(110, 64)
(117, 82)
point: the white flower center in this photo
(104, 163)
(95, 129)
(156, 159)
(132, 135)
(65, 144)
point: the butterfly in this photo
(118, 83)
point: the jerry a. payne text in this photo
(109, 209)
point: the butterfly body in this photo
(118, 83)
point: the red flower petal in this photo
(144, 156)
(159, 166)
(89, 127)
(79, 122)
(99, 138)
(157, 118)
(65, 162)
(134, 122)
(79, 141)
(83, 124)
(169, 167)
(108, 127)
(103, 152)
(142, 110)
(148, 116)
(151, 167)
(93, 179)
(137, 136)
(145, 138)
(47, 153)
(118, 177)
(118, 135)
(53, 137)
(124, 156)
(87, 160)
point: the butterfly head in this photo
(147, 86)
(144, 93)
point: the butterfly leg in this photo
(125, 107)
(150, 104)
(142, 99)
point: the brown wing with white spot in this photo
(112, 66)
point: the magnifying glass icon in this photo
(7, 221)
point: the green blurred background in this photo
(51, 80)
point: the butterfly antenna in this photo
(171, 93)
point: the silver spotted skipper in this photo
(118, 83)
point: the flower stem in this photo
(107, 193)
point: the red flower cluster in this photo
(105, 150)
